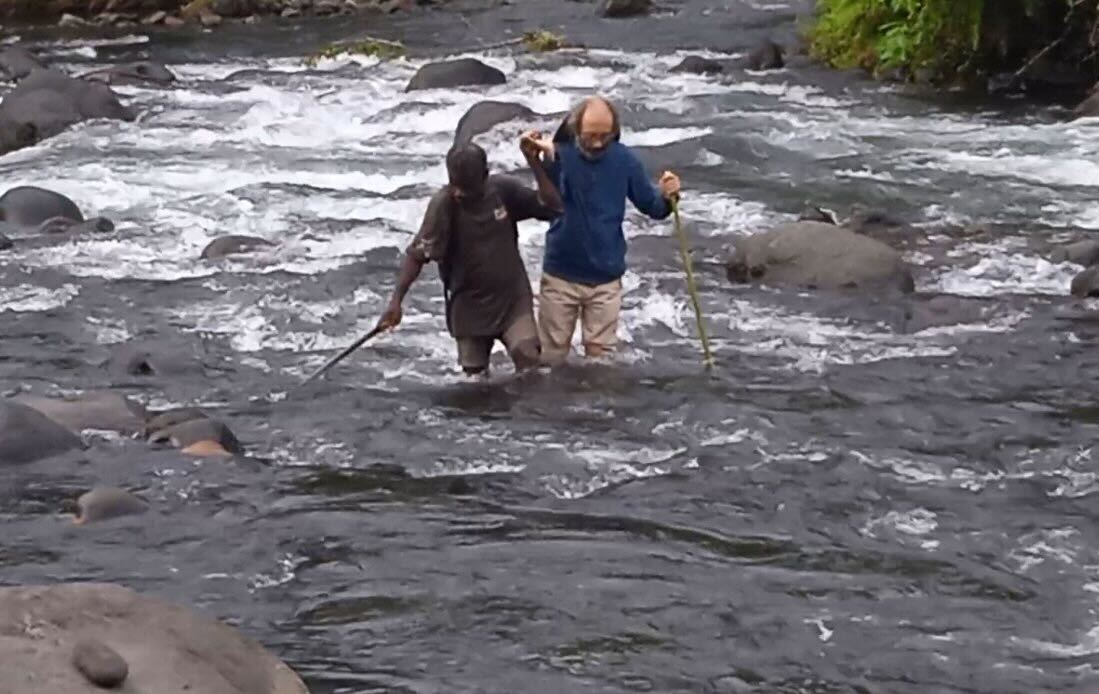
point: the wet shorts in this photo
(520, 338)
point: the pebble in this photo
(100, 663)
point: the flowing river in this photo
(847, 503)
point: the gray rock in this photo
(165, 647)
(1082, 253)
(816, 255)
(105, 503)
(99, 663)
(1086, 284)
(102, 410)
(766, 56)
(16, 63)
(27, 435)
(199, 431)
(618, 9)
(70, 21)
(233, 244)
(484, 115)
(155, 18)
(31, 206)
(698, 65)
(455, 73)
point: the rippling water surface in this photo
(852, 501)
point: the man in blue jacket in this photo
(585, 254)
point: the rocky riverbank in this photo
(76, 13)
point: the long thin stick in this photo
(339, 357)
(685, 253)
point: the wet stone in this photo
(99, 663)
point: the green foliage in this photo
(372, 47)
(542, 40)
(939, 35)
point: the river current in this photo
(845, 504)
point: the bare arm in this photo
(548, 194)
(410, 270)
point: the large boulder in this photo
(47, 102)
(455, 73)
(29, 206)
(816, 255)
(73, 638)
(484, 115)
(27, 435)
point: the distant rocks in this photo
(766, 56)
(617, 9)
(79, 14)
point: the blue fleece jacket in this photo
(586, 243)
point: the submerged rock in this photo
(27, 435)
(816, 255)
(1086, 284)
(766, 56)
(1082, 253)
(105, 503)
(698, 65)
(58, 639)
(102, 410)
(616, 9)
(232, 245)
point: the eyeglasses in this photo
(596, 138)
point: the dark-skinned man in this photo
(469, 228)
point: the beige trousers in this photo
(561, 303)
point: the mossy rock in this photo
(379, 48)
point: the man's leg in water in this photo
(558, 309)
(474, 353)
(521, 340)
(599, 319)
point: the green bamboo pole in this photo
(685, 254)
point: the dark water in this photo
(853, 501)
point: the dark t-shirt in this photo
(477, 247)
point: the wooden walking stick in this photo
(685, 254)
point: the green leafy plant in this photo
(542, 40)
(378, 48)
(939, 35)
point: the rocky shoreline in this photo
(176, 13)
